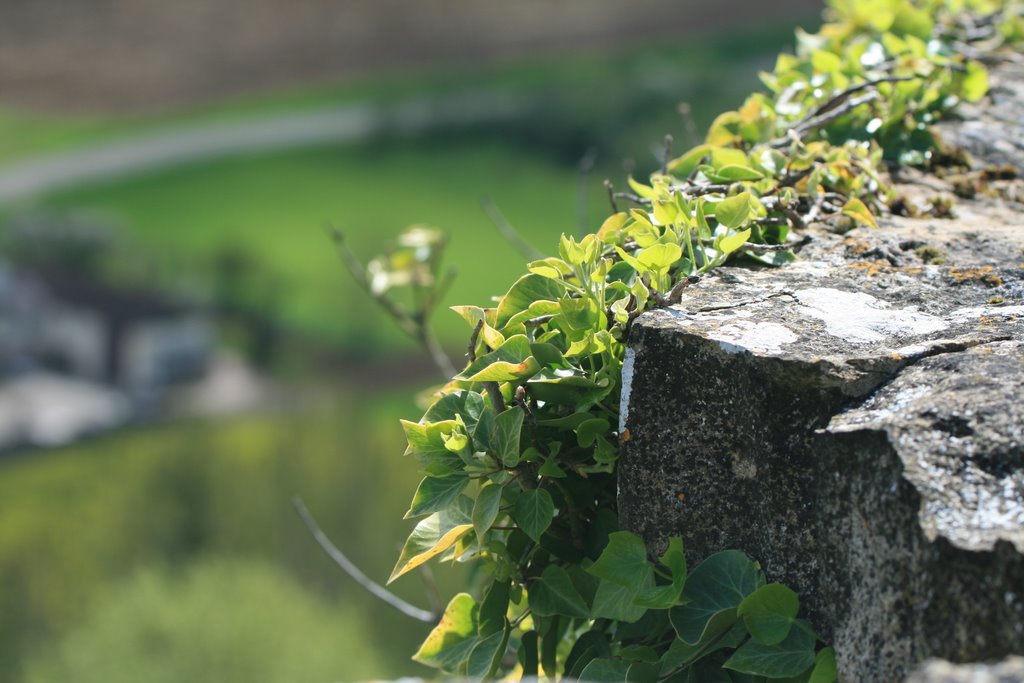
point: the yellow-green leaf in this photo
(433, 535)
(731, 243)
(857, 210)
(449, 644)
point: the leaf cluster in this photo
(519, 448)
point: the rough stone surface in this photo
(1010, 670)
(854, 422)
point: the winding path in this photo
(346, 123)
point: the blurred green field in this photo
(277, 207)
(79, 522)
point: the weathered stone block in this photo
(855, 424)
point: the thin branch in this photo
(357, 575)
(362, 278)
(635, 198)
(610, 188)
(795, 133)
(471, 350)
(510, 234)
(844, 95)
(413, 325)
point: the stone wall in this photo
(854, 421)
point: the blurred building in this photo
(105, 55)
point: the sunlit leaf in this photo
(731, 243)
(858, 211)
(525, 291)
(434, 535)
(436, 493)
(733, 212)
(450, 642)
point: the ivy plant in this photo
(518, 449)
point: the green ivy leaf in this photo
(485, 509)
(525, 291)
(533, 512)
(433, 535)
(510, 361)
(485, 656)
(714, 591)
(768, 613)
(505, 433)
(588, 431)
(436, 493)
(731, 243)
(553, 593)
(605, 671)
(624, 560)
(735, 173)
(791, 657)
(527, 654)
(732, 212)
(494, 608)
(824, 667)
(451, 641)
(858, 211)
(618, 602)
(975, 83)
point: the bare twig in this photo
(610, 188)
(510, 234)
(357, 575)
(413, 325)
(844, 95)
(796, 132)
(471, 350)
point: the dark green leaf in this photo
(605, 671)
(553, 593)
(642, 672)
(533, 511)
(624, 560)
(505, 436)
(528, 659)
(791, 657)
(824, 667)
(486, 655)
(768, 613)
(618, 602)
(485, 509)
(494, 607)
(436, 493)
(589, 646)
(714, 590)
